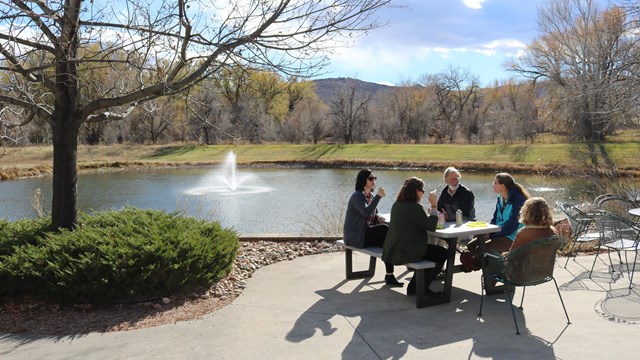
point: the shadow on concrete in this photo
(387, 323)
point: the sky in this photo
(427, 36)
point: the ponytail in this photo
(507, 180)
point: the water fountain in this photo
(228, 181)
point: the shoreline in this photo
(15, 173)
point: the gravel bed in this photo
(42, 319)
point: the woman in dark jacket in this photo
(407, 236)
(362, 225)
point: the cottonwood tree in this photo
(592, 55)
(306, 113)
(155, 49)
(306, 122)
(513, 111)
(398, 114)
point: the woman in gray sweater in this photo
(363, 226)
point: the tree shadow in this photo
(594, 156)
(314, 152)
(387, 323)
(172, 151)
(519, 152)
(621, 305)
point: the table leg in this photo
(451, 259)
(422, 301)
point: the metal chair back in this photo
(528, 265)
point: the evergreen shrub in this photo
(112, 257)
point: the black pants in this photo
(374, 236)
(438, 255)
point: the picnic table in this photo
(452, 234)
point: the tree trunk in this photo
(64, 209)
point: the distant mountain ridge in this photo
(328, 88)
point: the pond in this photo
(284, 201)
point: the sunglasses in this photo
(421, 190)
(373, 178)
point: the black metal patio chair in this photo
(528, 265)
(582, 226)
(619, 234)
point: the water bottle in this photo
(458, 217)
(440, 220)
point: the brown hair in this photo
(508, 181)
(536, 211)
(409, 190)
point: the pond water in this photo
(286, 201)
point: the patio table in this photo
(452, 234)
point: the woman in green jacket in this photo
(406, 239)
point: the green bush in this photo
(113, 257)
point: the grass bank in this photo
(541, 158)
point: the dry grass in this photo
(537, 158)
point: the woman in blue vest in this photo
(511, 197)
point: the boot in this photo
(390, 280)
(468, 262)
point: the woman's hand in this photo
(381, 192)
(433, 199)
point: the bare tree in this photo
(592, 55)
(350, 113)
(453, 90)
(384, 120)
(152, 120)
(154, 49)
(206, 117)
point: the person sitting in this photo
(362, 225)
(511, 197)
(537, 217)
(407, 236)
(456, 196)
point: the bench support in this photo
(348, 253)
(374, 253)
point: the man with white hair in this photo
(456, 196)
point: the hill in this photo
(328, 88)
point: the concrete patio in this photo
(305, 309)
